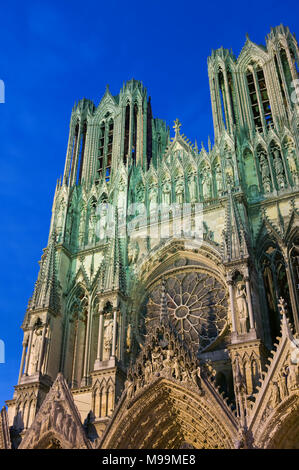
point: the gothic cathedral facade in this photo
(165, 314)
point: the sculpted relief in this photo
(241, 300)
(162, 356)
(55, 421)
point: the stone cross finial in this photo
(177, 126)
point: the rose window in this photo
(196, 305)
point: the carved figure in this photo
(242, 307)
(206, 184)
(219, 181)
(275, 396)
(192, 188)
(166, 190)
(179, 191)
(108, 333)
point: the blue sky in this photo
(54, 53)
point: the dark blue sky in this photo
(54, 53)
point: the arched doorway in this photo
(168, 416)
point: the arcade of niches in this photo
(146, 332)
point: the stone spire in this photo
(45, 293)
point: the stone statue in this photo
(168, 359)
(108, 333)
(195, 375)
(59, 417)
(44, 425)
(72, 432)
(186, 375)
(129, 339)
(192, 188)
(133, 252)
(166, 191)
(278, 165)
(229, 170)
(277, 161)
(139, 381)
(218, 177)
(207, 233)
(275, 396)
(35, 351)
(103, 222)
(92, 228)
(156, 358)
(129, 386)
(121, 200)
(283, 381)
(265, 172)
(59, 222)
(66, 425)
(153, 199)
(140, 194)
(292, 164)
(241, 300)
(82, 227)
(206, 184)
(179, 191)
(293, 376)
(69, 225)
(176, 369)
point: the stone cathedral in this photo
(165, 314)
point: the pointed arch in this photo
(167, 414)
(58, 418)
(75, 331)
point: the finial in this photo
(247, 37)
(282, 305)
(177, 126)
